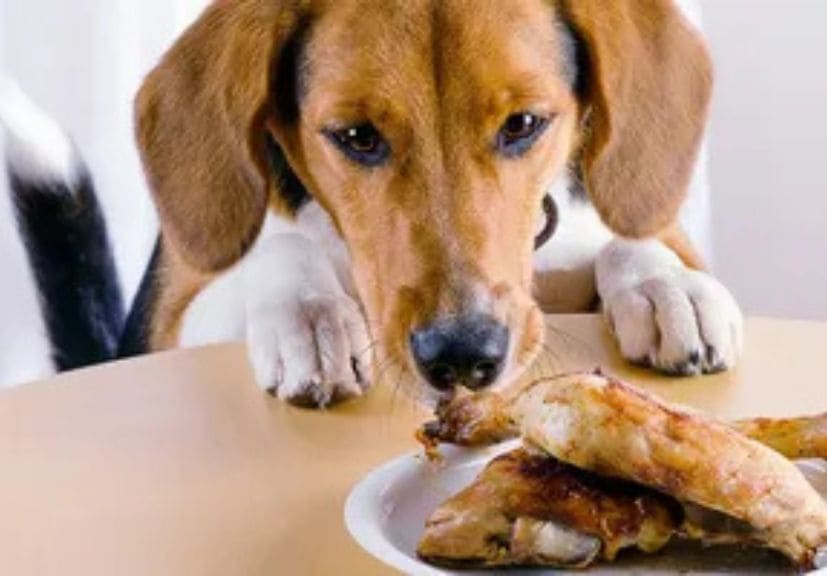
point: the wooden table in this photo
(177, 464)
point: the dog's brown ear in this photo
(648, 87)
(200, 119)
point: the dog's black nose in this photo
(469, 351)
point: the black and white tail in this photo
(61, 290)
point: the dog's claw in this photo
(315, 393)
(686, 324)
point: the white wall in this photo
(769, 153)
(82, 61)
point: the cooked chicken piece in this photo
(794, 438)
(604, 426)
(529, 509)
(486, 419)
(470, 420)
(483, 419)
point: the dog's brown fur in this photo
(447, 221)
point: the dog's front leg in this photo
(307, 338)
(664, 314)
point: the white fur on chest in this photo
(219, 312)
(564, 266)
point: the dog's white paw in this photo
(683, 322)
(311, 350)
(307, 338)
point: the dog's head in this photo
(430, 131)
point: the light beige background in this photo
(768, 153)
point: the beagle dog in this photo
(361, 188)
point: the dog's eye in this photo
(519, 133)
(363, 144)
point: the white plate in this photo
(386, 514)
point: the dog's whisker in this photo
(389, 414)
(407, 384)
(569, 339)
(543, 368)
(553, 364)
(551, 352)
(382, 370)
(396, 386)
(541, 364)
(418, 397)
(367, 350)
(547, 364)
(385, 367)
(551, 356)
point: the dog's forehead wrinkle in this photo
(372, 43)
(433, 42)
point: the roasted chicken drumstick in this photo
(487, 419)
(529, 509)
(607, 428)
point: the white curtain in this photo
(82, 61)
